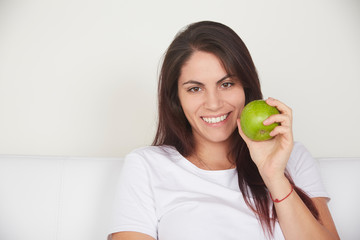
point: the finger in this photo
(281, 130)
(283, 119)
(279, 105)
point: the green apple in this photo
(252, 118)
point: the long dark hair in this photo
(175, 130)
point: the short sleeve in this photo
(304, 170)
(134, 207)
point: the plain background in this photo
(79, 77)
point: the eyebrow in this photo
(199, 83)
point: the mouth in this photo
(215, 119)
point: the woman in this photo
(203, 178)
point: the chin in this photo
(219, 139)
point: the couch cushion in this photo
(48, 198)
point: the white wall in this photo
(78, 77)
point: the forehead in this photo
(202, 66)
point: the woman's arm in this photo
(325, 215)
(295, 219)
(130, 236)
(271, 157)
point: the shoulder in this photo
(163, 150)
(143, 163)
(299, 149)
(304, 170)
(152, 156)
(300, 156)
(153, 152)
(300, 160)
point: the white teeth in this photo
(215, 120)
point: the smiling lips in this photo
(215, 119)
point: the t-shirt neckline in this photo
(185, 162)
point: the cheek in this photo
(238, 100)
(188, 106)
(242, 103)
(190, 109)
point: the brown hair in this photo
(175, 130)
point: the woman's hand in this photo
(271, 156)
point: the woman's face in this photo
(211, 99)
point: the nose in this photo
(213, 100)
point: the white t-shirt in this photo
(162, 194)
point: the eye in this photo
(227, 84)
(194, 89)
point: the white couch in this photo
(65, 198)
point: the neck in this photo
(212, 156)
